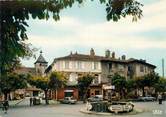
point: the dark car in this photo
(146, 98)
(68, 100)
(95, 98)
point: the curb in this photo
(12, 105)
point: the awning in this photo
(68, 90)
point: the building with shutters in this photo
(102, 67)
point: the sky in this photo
(84, 26)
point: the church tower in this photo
(40, 65)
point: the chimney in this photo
(71, 53)
(123, 57)
(113, 55)
(76, 52)
(107, 53)
(92, 52)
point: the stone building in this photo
(103, 67)
(39, 69)
(40, 65)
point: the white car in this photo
(95, 98)
(68, 100)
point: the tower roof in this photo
(41, 59)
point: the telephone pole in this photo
(163, 67)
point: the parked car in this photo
(36, 100)
(146, 98)
(95, 98)
(68, 100)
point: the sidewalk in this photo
(15, 102)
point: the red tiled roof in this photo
(25, 70)
(84, 57)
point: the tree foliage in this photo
(130, 85)
(160, 86)
(54, 81)
(84, 84)
(148, 80)
(120, 83)
(14, 15)
(57, 80)
(12, 82)
(42, 83)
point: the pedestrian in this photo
(5, 106)
(31, 101)
(160, 99)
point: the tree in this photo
(130, 85)
(13, 23)
(42, 83)
(54, 81)
(13, 16)
(120, 84)
(151, 79)
(12, 82)
(148, 80)
(84, 84)
(57, 80)
(160, 86)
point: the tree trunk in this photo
(46, 97)
(143, 91)
(84, 97)
(122, 94)
(6, 96)
(56, 95)
(85, 94)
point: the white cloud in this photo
(64, 22)
(119, 34)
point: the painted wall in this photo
(77, 66)
(145, 69)
(61, 93)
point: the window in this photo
(97, 92)
(95, 65)
(68, 94)
(66, 64)
(110, 66)
(74, 65)
(129, 68)
(141, 68)
(79, 64)
(145, 69)
(116, 65)
(38, 71)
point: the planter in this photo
(112, 107)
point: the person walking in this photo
(31, 101)
(5, 106)
(160, 99)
